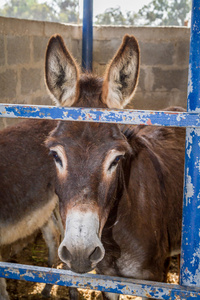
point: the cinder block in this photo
(167, 80)
(19, 27)
(39, 47)
(144, 34)
(43, 100)
(76, 49)
(157, 54)
(18, 49)
(98, 69)
(8, 84)
(182, 53)
(30, 80)
(66, 30)
(104, 50)
(158, 100)
(2, 51)
(141, 83)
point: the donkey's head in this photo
(88, 156)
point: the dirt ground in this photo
(36, 254)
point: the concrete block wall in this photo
(22, 51)
(164, 62)
(163, 72)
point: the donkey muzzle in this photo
(81, 248)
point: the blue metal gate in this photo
(189, 287)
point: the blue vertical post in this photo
(190, 253)
(87, 35)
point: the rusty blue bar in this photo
(190, 252)
(134, 117)
(154, 290)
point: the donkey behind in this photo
(119, 187)
(27, 197)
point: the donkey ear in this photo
(61, 72)
(122, 74)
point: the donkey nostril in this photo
(96, 254)
(65, 254)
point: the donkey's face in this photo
(88, 156)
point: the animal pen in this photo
(190, 252)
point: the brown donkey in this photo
(119, 187)
(27, 197)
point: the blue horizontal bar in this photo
(134, 117)
(156, 290)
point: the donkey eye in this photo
(56, 157)
(115, 161)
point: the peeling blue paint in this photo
(194, 64)
(134, 117)
(190, 257)
(190, 250)
(156, 290)
(190, 81)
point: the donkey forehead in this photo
(88, 138)
(87, 132)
